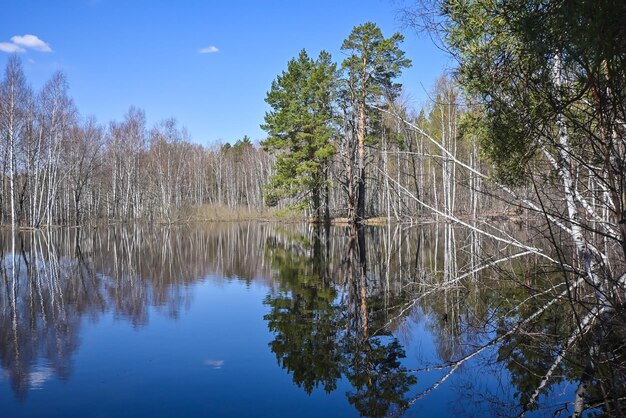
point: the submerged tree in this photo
(300, 131)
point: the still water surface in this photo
(250, 320)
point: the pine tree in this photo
(374, 62)
(300, 131)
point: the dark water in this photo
(254, 320)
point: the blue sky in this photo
(147, 53)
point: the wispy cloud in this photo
(22, 43)
(10, 48)
(208, 50)
(31, 42)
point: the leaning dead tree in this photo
(587, 268)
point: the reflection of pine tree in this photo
(304, 317)
(377, 376)
(320, 337)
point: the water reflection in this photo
(351, 311)
(57, 278)
(386, 316)
(323, 332)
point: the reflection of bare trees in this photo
(341, 298)
(498, 307)
(487, 305)
(38, 317)
(52, 280)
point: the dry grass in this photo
(376, 221)
(215, 213)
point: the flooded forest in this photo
(366, 258)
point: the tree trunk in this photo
(360, 210)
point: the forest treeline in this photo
(61, 168)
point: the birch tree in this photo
(84, 152)
(14, 98)
(58, 116)
(550, 79)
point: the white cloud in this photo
(10, 48)
(31, 42)
(208, 50)
(37, 378)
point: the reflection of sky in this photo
(164, 365)
(7, 261)
(36, 378)
(169, 363)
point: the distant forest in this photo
(60, 168)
